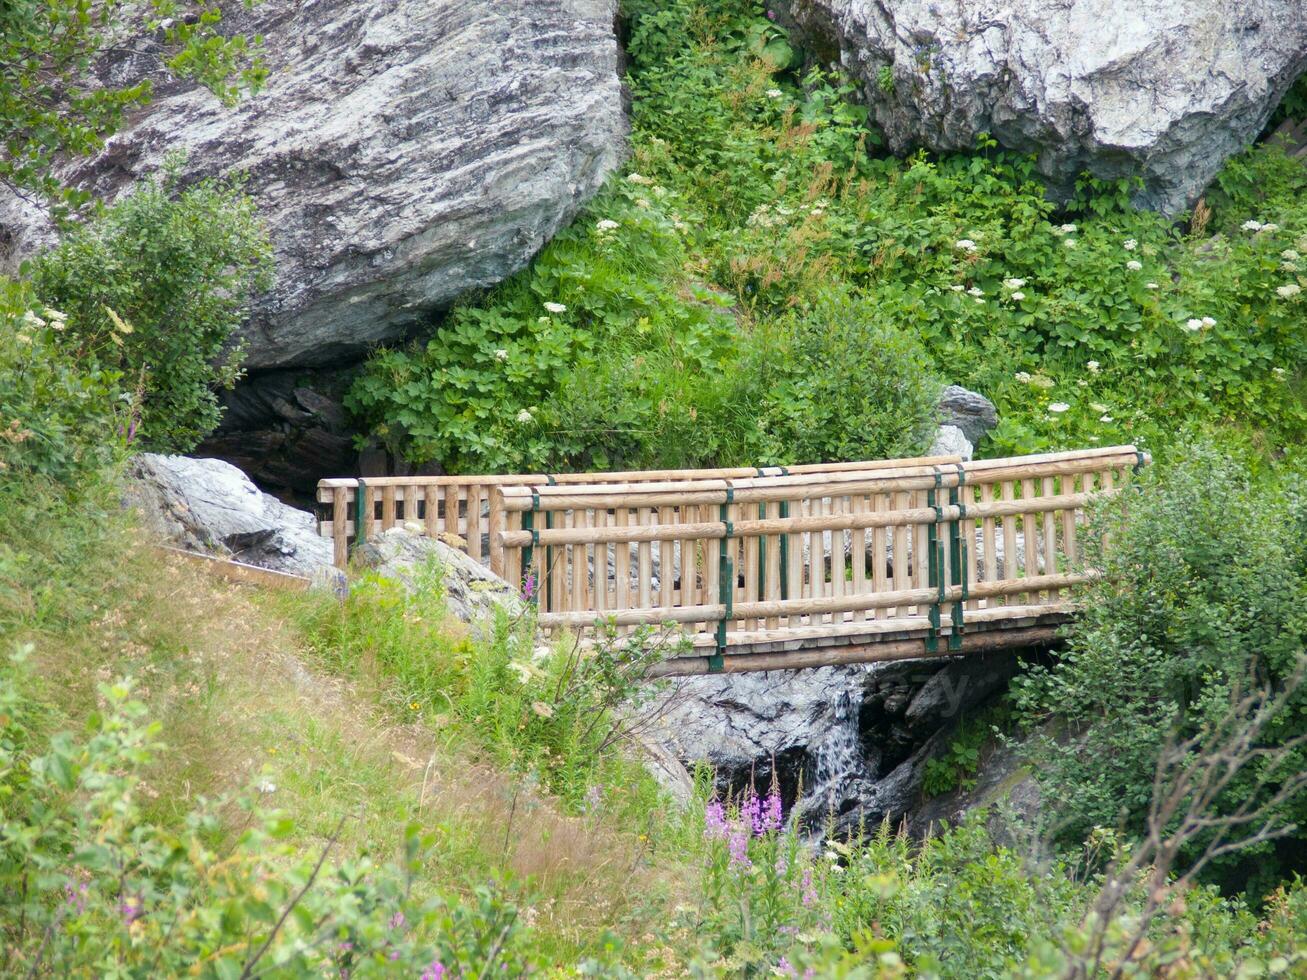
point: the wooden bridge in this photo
(772, 567)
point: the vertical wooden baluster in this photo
(450, 522)
(558, 558)
(837, 562)
(644, 556)
(369, 513)
(748, 567)
(600, 583)
(771, 587)
(902, 578)
(988, 540)
(685, 556)
(513, 555)
(1069, 551)
(430, 507)
(711, 565)
(622, 563)
(1106, 482)
(1030, 533)
(858, 554)
(474, 521)
(339, 525)
(794, 563)
(879, 554)
(494, 526)
(1050, 539)
(666, 561)
(1008, 492)
(387, 507)
(581, 565)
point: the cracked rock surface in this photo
(402, 153)
(1157, 89)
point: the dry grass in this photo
(220, 669)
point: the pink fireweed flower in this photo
(397, 920)
(435, 971)
(529, 586)
(751, 814)
(739, 847)
(714, 819)
(772, 812)
(130, 909)
(809, 893)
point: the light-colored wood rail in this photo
(909, 550)
(463, 507)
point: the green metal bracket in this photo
(935, 562)
(360, 512)
(725, 583)
(959, 572)
(528, 553)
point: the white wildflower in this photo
(555, 307)
(1082, 383)
(1018, 296)
(1208, 323)
(774, 93)
(267, 786)
(30, 319)
(1023, 377)
(1193, 325)
(606, 224)
(1279, 372)
(1093, 367)
(635, 178)
(1014, 283)
(1150, 285)
(965, 245)
(1105, 418)
(980, 301)
(1098, 407)
(501, 354)
(957, 287)
(1251, 225)
(1289, 291)
(1057, 408)
(1041, 381)
(1069, 242)
(1288, 253)
(1067, 229)
(1129, 244)
(643, 202)
(1270, 227)
(1134, 265)
(525, 416)
(542, 319)
(975, 291)
(55, 316)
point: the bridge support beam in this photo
(860, 653)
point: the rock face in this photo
(210, 506)
(1156, 89)
(965, 418)
(472, 592)
(848, 745)
(402, 153)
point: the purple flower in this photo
(714, 818)
(397, 920)
(771, 15)
(751, 814)
(772, 812)
(528, 588)
(784, 968)
(809, 893)
(435, 971)
(75, 898)
(130, 908)
(782, 864)
(594, 796)
(739, 846)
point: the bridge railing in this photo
(463, 507)
(909, 547)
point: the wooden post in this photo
(339, 528)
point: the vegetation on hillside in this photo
(195, 779)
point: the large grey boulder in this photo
(210, 506)
(1157, 89)
(471, 591)
(402, 153)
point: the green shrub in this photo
(62, 415)
(154, 287)
(92, 888)
(1206, 596)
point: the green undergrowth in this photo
(762, 284)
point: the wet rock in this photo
(951, 441)
(972, 414)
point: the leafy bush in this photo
(94, 888)
(153, 287)
(1206, 597)
(62, 416)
